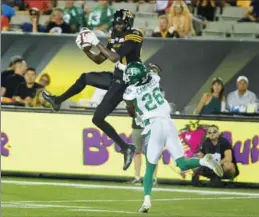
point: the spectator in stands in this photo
(253, 13)
(181, 19)
(73, 15)
(213, 102)
(10, 71)
(7, 11)
(163, 6)
(25, 92)
(15, 79)
(44, 80)
(222, 152)
(4, 23)
(57, 25)
(44, 6)
(100, 18)
(238, 100)
(206, 9)
(34, 26)
(164, 30)
(16, 4)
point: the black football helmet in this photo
(123, 16)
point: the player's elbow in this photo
(114, 57)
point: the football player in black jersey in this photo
(124, 46)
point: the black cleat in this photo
(51, 99)
(128, 156)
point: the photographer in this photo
(222, 152)
(34, 26)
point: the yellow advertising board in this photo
(71, 144)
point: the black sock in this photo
(73, 90)
(109, 130)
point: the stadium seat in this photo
(60, 4)
(20, 19)
(245, 30)
(233, 13)
(128, 6)
(146, 8)
(91, 3)
(140, 23)
(218, 28)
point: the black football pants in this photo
(115, 88)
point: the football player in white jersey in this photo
(150, 109)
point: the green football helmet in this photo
(135, 72)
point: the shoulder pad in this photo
(134, 35)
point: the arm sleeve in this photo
(129, 94)
(132, 42)
(225, 144)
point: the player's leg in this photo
(175, 148)
(100, 80)
(110, 101)
(154, 141)
(137, 140)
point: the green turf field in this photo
(60, 198)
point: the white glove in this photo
(139, 121)
(89, 36)
(81, 44)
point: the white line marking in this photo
(91, 186)
(109, 201)
(72, 208)
(100, 210)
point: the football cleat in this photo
(128, 156)
(209, 162)
(145, 208)
(51, 99)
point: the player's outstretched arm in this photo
(112, 56)
(97, 58)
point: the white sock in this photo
(137, 177)
(147, 199)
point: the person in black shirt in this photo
(12, 81)
(57, 25)
(10, 71)
(222, 152)
(26, 92)
(124, 46)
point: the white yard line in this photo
(92, 186)
(70, 208)
(140, 200)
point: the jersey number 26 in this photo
(152, 100)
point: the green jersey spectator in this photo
(100, 18)
(73, 15)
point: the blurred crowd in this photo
(241, 100)
(19, 87)
(176, 17)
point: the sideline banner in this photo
(71, 144)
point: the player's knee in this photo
(97, 120)
(82, 80)
(228, 167)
